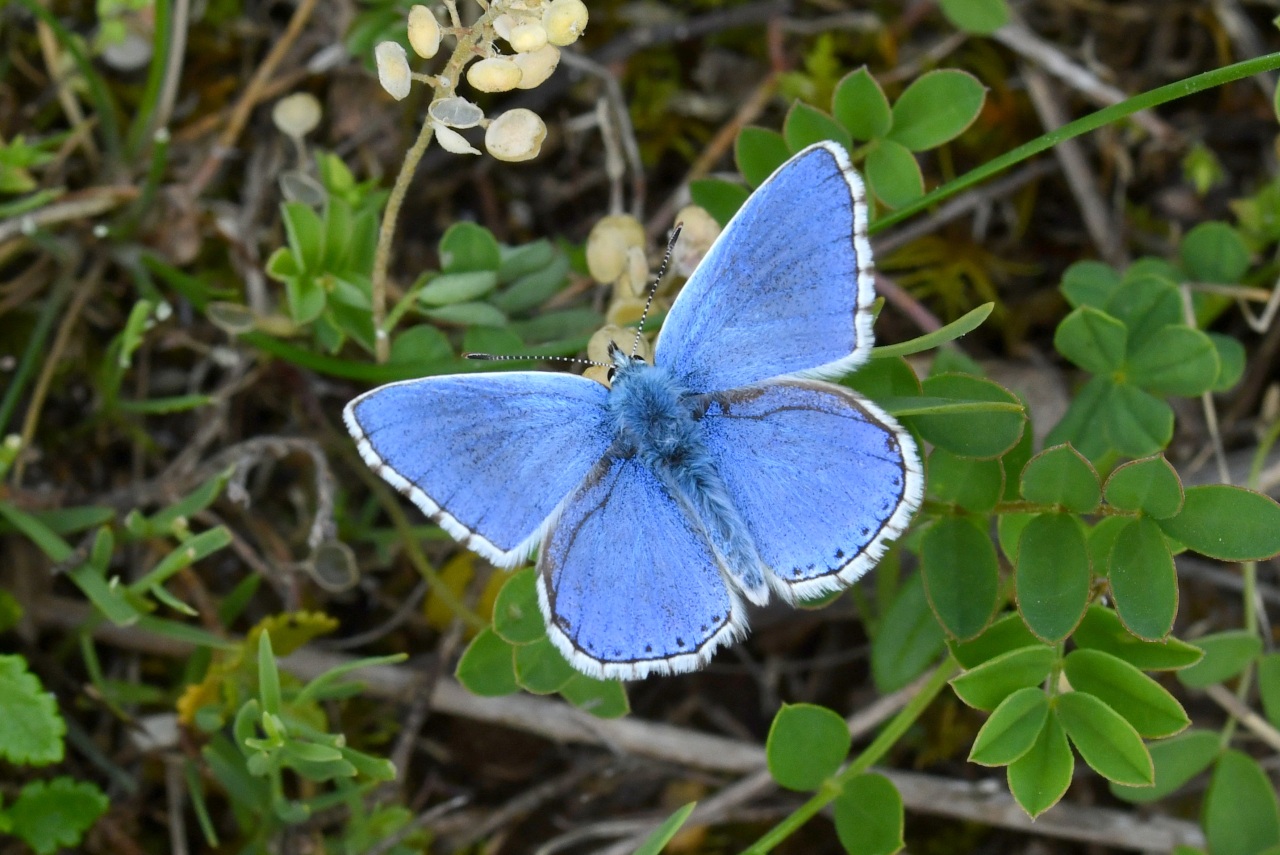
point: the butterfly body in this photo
(658, 421)
(726, 470)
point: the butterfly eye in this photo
(612, 372)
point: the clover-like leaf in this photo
(936, 108)
(861, 106)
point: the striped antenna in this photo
(497, 357)
(653, 289)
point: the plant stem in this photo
(879, 746)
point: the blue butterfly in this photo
(725, 470)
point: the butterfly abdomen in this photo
(654, 417)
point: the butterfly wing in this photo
(628, 587)
(786, 289)
(487, 456)
(822, 478)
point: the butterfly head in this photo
(622, 362)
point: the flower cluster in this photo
(616, 257)
(533, 32)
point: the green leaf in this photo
(601, 698)
(972, 484)
(421, 345)
(1052, 575)
(758, 153)
(1146, 302)
(1061, 476)
(806, 125)
(1012, 729)
(1240, 812)
(31, 728)
(468, 314)
(516, 616)
(662, 835)
(1101, 629)
(1226, 654)
(1269, 686)
(1101, 538)
(807, 744)
(1092, 339)
(961, 326)
(908, 640)
(1176, 360)
(305, 232)
(306, 299)
(1143, 580)
(936, 108)
(468, 247)
(1006, 634)
(533, 289)
(1108, 743)
(869, 816)
(51, 815)
(487, 667)
(981, 17)
(541, 668)
(861, 106)
(980, 434)
(1228, 523)
(1214, 252)
(961, 575)
(1176, 761)
(987, 685)
(721, 199)
(268, 676)
(1231, 361)
(1089, 283)
(1143, 702)
(893, 173)
(1039, 778)
(520, 261)
(884, 378)
(1137, 423)
(1149, 485)
(449, 288)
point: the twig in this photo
(84, 290)
(619, 131)
(74, 206)
(1106, 233)
(1021, 40)
(1238, 709)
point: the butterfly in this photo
(726, 470)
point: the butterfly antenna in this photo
(653, 288)
(498, 357)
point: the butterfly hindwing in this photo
(487, 456)
(821, 477)
(627, 584)
(786, 289)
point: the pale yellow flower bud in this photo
(424, 32)
(634, 280)
(296, 115)
(536, 66)
(527, 38)
(622, 312)
(564, 21)
(516, 135)
(698, 231)
(393, 69)
(609, 243)
(495, 74)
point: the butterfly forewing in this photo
(487, 456)
(786, 289)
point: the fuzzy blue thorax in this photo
(655, 420)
